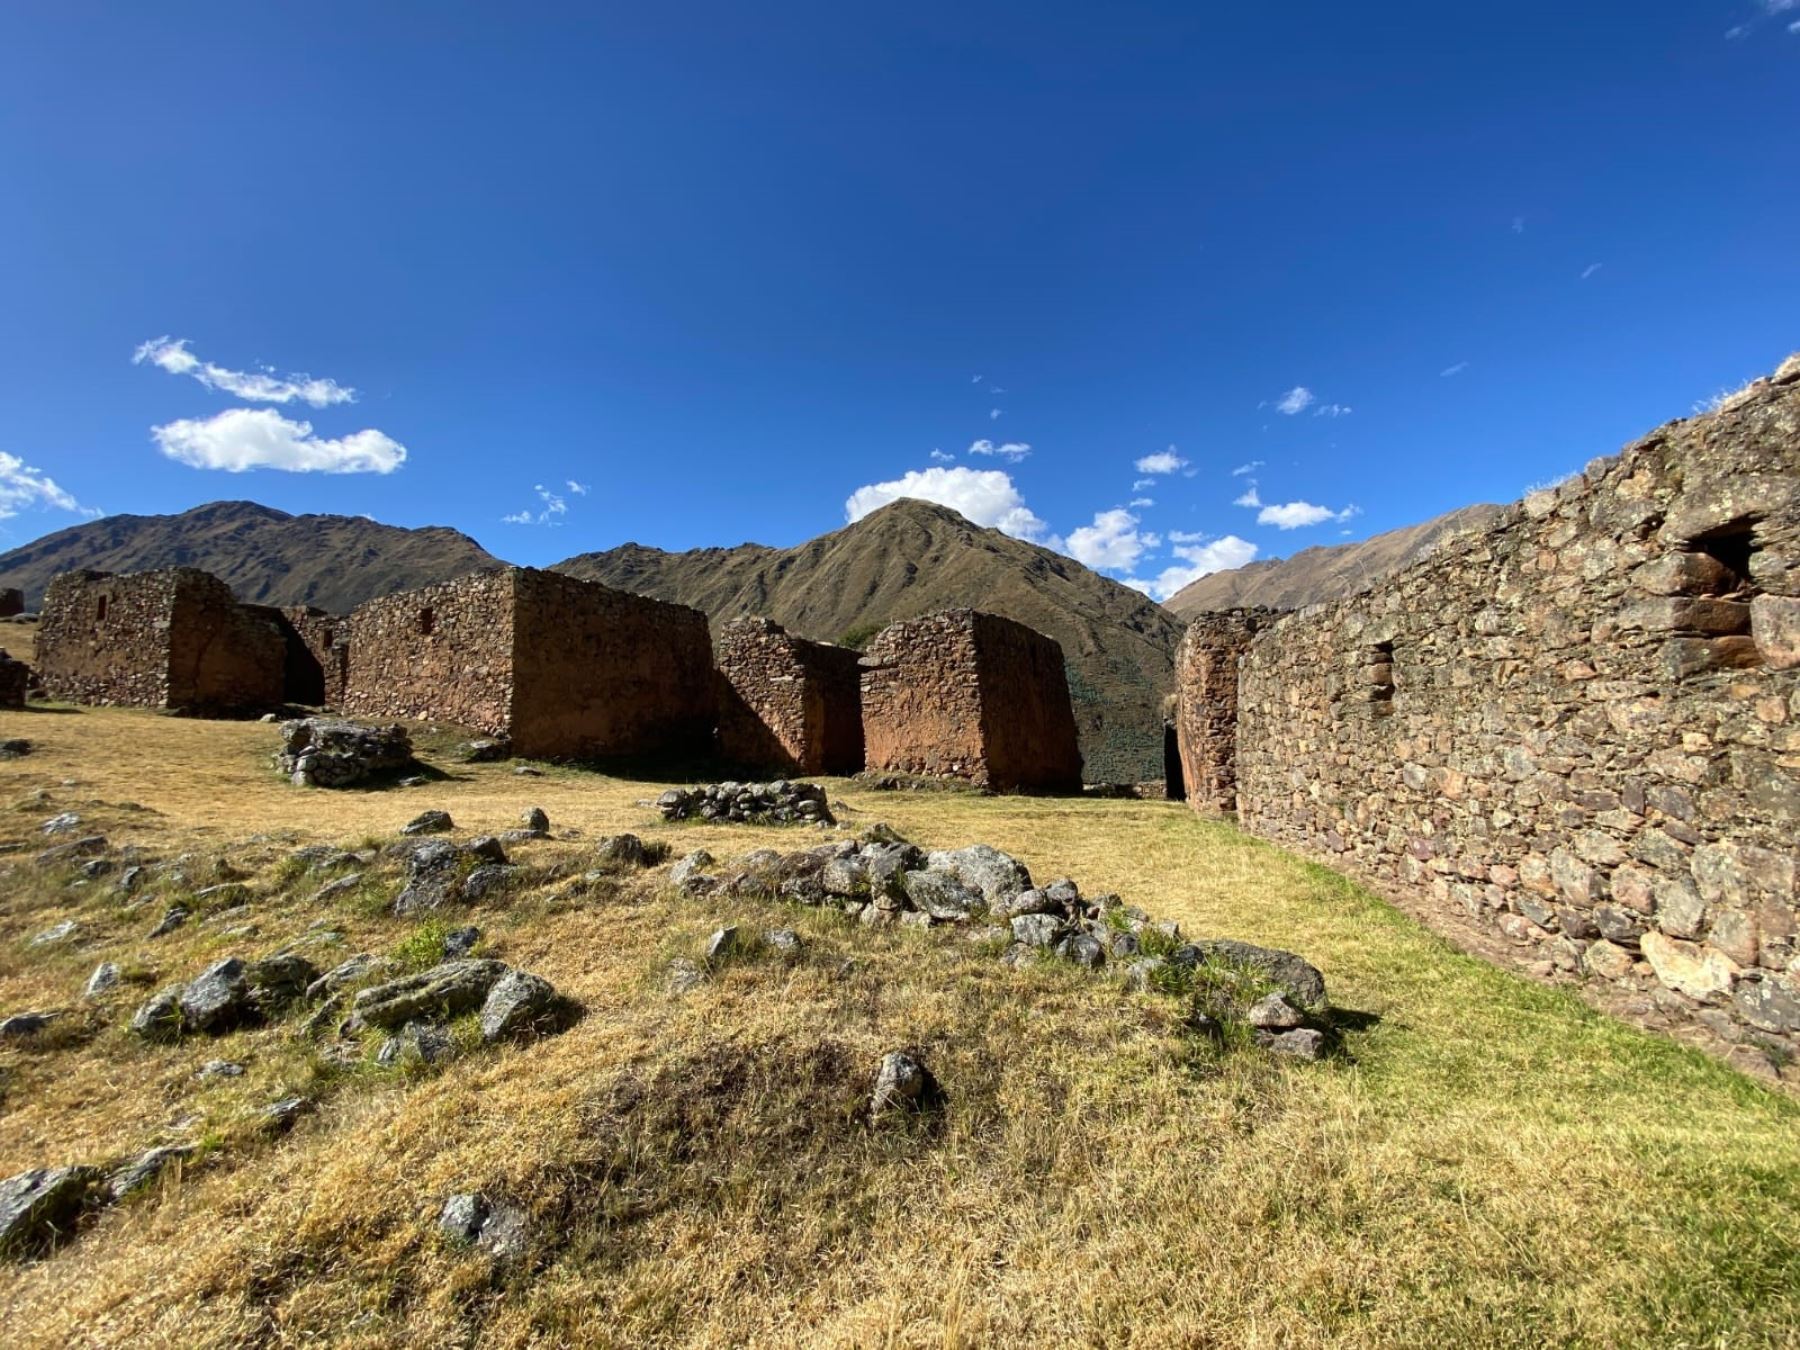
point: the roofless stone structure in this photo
(786, 702)
(564, 669)
(974, 696)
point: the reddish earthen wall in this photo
(1206, 704)
(441, 652)
(788, 703)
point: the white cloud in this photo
(1113, 541)
(23, 486)
(1295, 515)
(554, 507)
(1143, 483)
(254, 386)
(1456, 369)
(1166, 461)
(1249, 498)
(978, 379)
(1332, 410)
(985, 496)
(994, 414)
(1139, 503)
(579, 489)
(943, 457)
(1200, 557)
(1296, 400)
(1011, 451)
(1243, 469)
(260, 438)
(1590, 269)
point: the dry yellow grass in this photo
(1492, 1162)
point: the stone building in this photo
(788, 703)
(969, 695)
(1580, 727)
(1204, 727)
(316, 664)
(562, 668)
(15, 682)
(12, 602)
(175, 638)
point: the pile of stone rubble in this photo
(330, 753)
(777, 803)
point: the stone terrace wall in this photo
(600, 673)
(1206, 703)
(788, 703)
(1027, 718)
(972, 696)
(439, 652)
(175, 638)
(1581, 727)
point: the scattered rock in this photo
(55, 934)
(527, 771)
(344, 885)
(172, 919)
(517, 1002)
(689, 875)
(144, 1169)
(459, 942)
(281, 1116)
(621, 851)
(1297, 978)
(440, 994)
(105, 978)
(420, 1041)
(1274, 1013)
(65, 823)
(486, 750)
(217, 999)
(429, 822)
(537, 820)
(777, 803)
(158, 1018)
(40, 1208)
(782, 939)
(346, 973)
(1038, 930)
(16, 747)
(496, 1228)
(329, 753)
(437, 872)
(684, 976)
(721, 945)
(486, 882)
(901, 1083)
(995, 875)
(941, 896)
(219, 1068)
(459, 1222)
(1301, 1043)
(60, 855)
(24, 1026)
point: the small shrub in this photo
(423, 948)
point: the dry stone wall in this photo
(973, 696)
(12, 602)
(786, 702)
(1206, 704)
(1581, 727)
(175, 638)
(562, 668)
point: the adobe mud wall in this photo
(563, 668)
(175, 638)
(969, 695)
(787, 703)
(1206, 704)
(1581, 727)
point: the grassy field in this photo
(1489, 1162)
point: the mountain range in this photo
(909, 558)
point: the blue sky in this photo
(697, 274)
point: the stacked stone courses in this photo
(564, 669)
(175, 638)
(1580, 727)
(786, 702)
(1206, 703)
(972, 696)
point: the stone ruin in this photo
(1579, 727)
(1204, 723)
(973, 696)
(15, 682)
(175, 638)
(560, 668)
(316, 665)
(12, 602)
(786, 702)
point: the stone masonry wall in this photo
(971, 696)
(601, 673)
(1206, 703)
(439, 652)
(563, 668)
(316, 662)
(786, 702)
(1581, 727)
(174, 639)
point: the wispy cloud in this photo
(240, 439)
(994, 414)
(1767, 9)
(1142, 483)
(1333, 410)
(1296, 400)
(1518, 225)
(23, 487)
(1249, 498)
(1590, 269)
(1249, 468)
(577, 489)
(1141, 503)
(1164, 461)
(985, 496)
(942, 457)
(1456, 369)
(552, 507)
(1011, 451)
(254, 386)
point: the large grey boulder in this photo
(218, 998)
(941, 896)
(421, 1041)
(330, 753)
(981, 867)
(1296, 977)
(438, 870)
(437, 995)
(517, 1002)
(159, 1018)
(40, 1208)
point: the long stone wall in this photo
(174, 638)
(1581, 727)
(1206, 704)
(563, 668)
(973, 696)
(788, 703)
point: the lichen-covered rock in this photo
(689, 876)
(1298, 978)
(103, 981)
(941, 896)
(621, 851)
(996, 876)
(1274, 1013)
(345, 973)
(145, 1168)
(902, 1082)
(428, 822)
(330, 753)
(40, 1208)
(419, 1041)
(440, 994)
(218, 998)
(518, 1002)
(1038, 930)
(159, 1018)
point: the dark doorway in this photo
(1174, 783)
